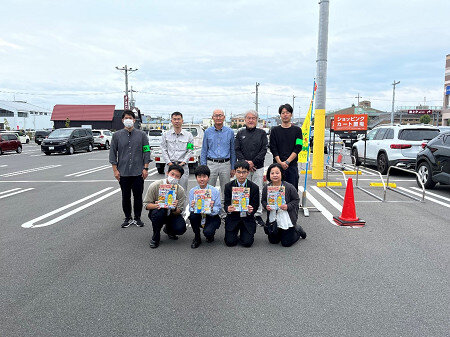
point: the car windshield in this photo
(155, 133)
(60, 133)
(96, 133)
(192, 130)
(418, 134)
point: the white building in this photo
(22, 115)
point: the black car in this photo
(433, 162)
(68, 141)
(40, 135)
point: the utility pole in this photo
(293, 102)
(256, 99)
(132, 100)
(393, 101)
(358, 97)
(126, 70)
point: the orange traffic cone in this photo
(348, 216)
(339, 158)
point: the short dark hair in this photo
(176, 167)
(272, 166)
(129, 113)
(202, 169)
(176, 113)
(242, 164)
(286, 106)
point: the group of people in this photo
(223, 156)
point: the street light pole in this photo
(393, 101)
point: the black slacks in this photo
(127, 185)
(237, 232)
(212, 223)
(287, 237)
(175, 224)
(291, 175)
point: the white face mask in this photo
(172, 180)
(128, 123)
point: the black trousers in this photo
(239, 234)
(211, 224)
(175, 224)
(291, 175)
(135, 184)
(287, 237)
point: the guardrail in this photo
(328, 168)
(400, 192)
(370, 170)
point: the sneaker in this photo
(126, 223)
(259, 220)
(138, 222)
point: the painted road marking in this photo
(426, 198)
(88, 170)
(16, 192)
(333, 202)
(361, 170)
(30, 224)
(3, 165)
(28, 171)
(432, 194)
(14, 189)
(319, 206)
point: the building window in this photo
(22, 114)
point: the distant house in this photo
(96, 116)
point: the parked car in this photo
(339, 144)
(154, 138)
(21, 135)
(10, 142)
(433, 162)
(393, 145)
(68, 140)
(40, 135)
(102, 138)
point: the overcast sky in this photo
(194, 56)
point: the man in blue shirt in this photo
(218, 151)
(209, 221)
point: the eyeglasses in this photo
(218, 116)
(241, 172)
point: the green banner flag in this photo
(146, 148)
(190, 146)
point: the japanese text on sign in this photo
(350, 122)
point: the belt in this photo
(176, 162)
(219, 160)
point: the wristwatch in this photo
(287, 162)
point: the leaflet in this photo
(275, 196)
(167, 195)
(202, 201)
(240, 198)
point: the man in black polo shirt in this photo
(286, 142)
(129, 156)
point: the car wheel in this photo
(1, 151)
(382, 163)
(70, 150)
(107, 145)
(426, 175)
(47, 153)
(19, 149)
(90, 148)
(160, 169)
(355, 154)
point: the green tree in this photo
(67, 122)
(425, 119)
(5, 122)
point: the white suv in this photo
(393, 145)
(102, 138)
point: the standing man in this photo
(218, 151)
(251, 146)
(286, 141)
(129, 156)
(176, 147)
(240, 227)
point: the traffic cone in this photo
(348, 216)
(339, 158)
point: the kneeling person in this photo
(171, 217)
(242, 223)
(208, 219)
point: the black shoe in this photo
(259, 220)
(171, 236)
(300, 231)
(138, 222)
(195, 243)
(154, 244)
(126, 223)
(210, 239)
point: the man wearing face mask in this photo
(129, 156)
(171, 217)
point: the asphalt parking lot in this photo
(69, 269)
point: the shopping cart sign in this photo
(349, 122)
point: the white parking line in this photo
(14, 189)
(333, 202)
(17, 192)
(319, 206)
(432, 194)
(362, 170)
(30, 224)
(3, 165)
(87, 171)
(93, 171)
(426, 198)
(28, 171)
